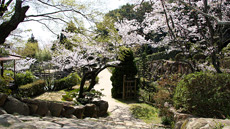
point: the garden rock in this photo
(103, 107)
(90, 110)
(55, 109)
(3, 98)
(13, 105)
(42, 108)
(2, 111)
(33, 108)
(205, 123)
(79, 110)
(68, 111)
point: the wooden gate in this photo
(129, 88)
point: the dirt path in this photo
(106, 84)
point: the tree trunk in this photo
(7, 27)
(92, 83)
(216, 63)
(82, 86)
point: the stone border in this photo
(187, 121)
(22, 106)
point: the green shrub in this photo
(67, 82)
(9, 73)
(43, 55)
(4, 84)
(145, 112)
(126, 67)
(24, 78)
(3, 52)
(32, 89)
(204, 94)
(166, 120)
(146, 94)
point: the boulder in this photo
(3, 98)
(55, 109)
(30, 101)
(2, 111)
(90, 110)
(68, 111)
(13, 105)
(79, 111)
(42, 108)
(33, 108)
(102, 107)
(204, 123)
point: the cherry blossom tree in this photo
(192, 27)
(86, 54)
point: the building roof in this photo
(11, 57)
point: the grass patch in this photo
(145, 112)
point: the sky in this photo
(44, 36)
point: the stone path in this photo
(120, 114)
(8, 121)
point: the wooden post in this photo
(123, 97)
(14, 70)
(2, 70)
(135, 90)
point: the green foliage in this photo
(67, 82)
(24, 78)
(147, 92)
(8, 73)
(126, 67)
(4, 82)
(145, 112)
(3, 52)
(43, 55)
(126, 11)
(200, 91)
(163, 55)
(90, 96)
(30, 50)
(32, 89)
(97, 80)
(69, 95)
(166, 120)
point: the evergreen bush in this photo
(67, 82)
(24, 78)
(32, 89)
(126, 67)
(204, 94)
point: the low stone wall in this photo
(187, 121)
(9, 104)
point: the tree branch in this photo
(7, 27)
(4, 6)
(219, 22)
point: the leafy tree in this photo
(14, 12)
(31, 48)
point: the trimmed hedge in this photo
(204, 94)
(67, 82)
(32, 89)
